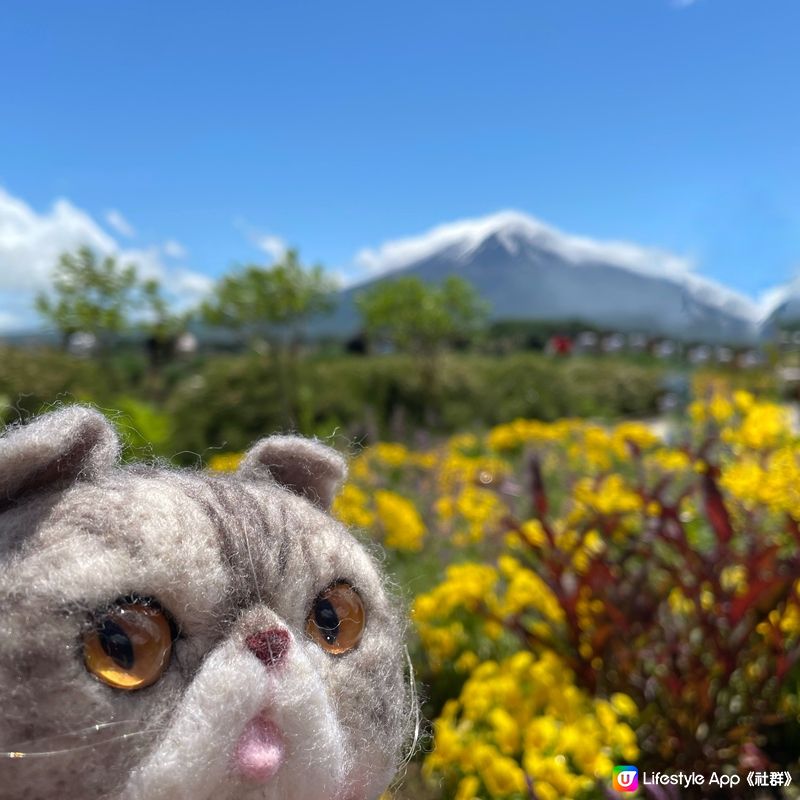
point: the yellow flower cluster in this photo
(633, 433)
(785, 620)
(495, 616)
(505, 732)
(718, 408)
(771, 481)
(391, 456)
(591, 445)
(351, 506)
(469, 513)
(668, 460)
(520, 432)
(526, 592)
(401, 523)
(395, 517)
(586, 445)
(466, 587)
(745, 422)
(609, 496)
(523, 719)
(457, 469)
(760, 427)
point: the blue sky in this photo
(210, 128)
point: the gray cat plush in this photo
(178, 635)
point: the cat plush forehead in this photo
(175, 634)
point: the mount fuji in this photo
(528, 270)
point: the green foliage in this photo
(89, 294)
(273, 302)
(421, 318)
(32, 380)
(259, 298)
(145, 429)
(230, 400)
(102, 297)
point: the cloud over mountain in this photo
(511, 228)
(528, 269)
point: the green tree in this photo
(89, 294)
(422, 318)
(273, 304)
(159, 322)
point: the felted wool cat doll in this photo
(177, 635)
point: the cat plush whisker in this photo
(414, 713)
(18, 754)
(97, 728)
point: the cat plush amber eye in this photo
(129, 646)
(337, 619)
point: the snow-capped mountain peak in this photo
(515, 230)
(528, 269)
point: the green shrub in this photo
(227, 401)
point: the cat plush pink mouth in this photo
(260, 750)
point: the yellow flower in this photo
(468, 788)
(533, 533)
(610, 496)
(526, 591)
(765, 426)
(389, 454)
(402, 525)
(636, 433)
(525, 715)
(668, 460)
(351, 507)
(734, 579)
(680, 604)
(225, 462)
(623, 705)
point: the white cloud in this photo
(121, 225)
(273, 246)
(192, 284)
(31, 243)
(174, 249)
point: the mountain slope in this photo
(528, 270)
(782, 307)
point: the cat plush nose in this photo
(269, 646)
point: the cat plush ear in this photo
(304, 466)
(54, 450)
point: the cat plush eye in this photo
(129, 645)
(337, 619)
